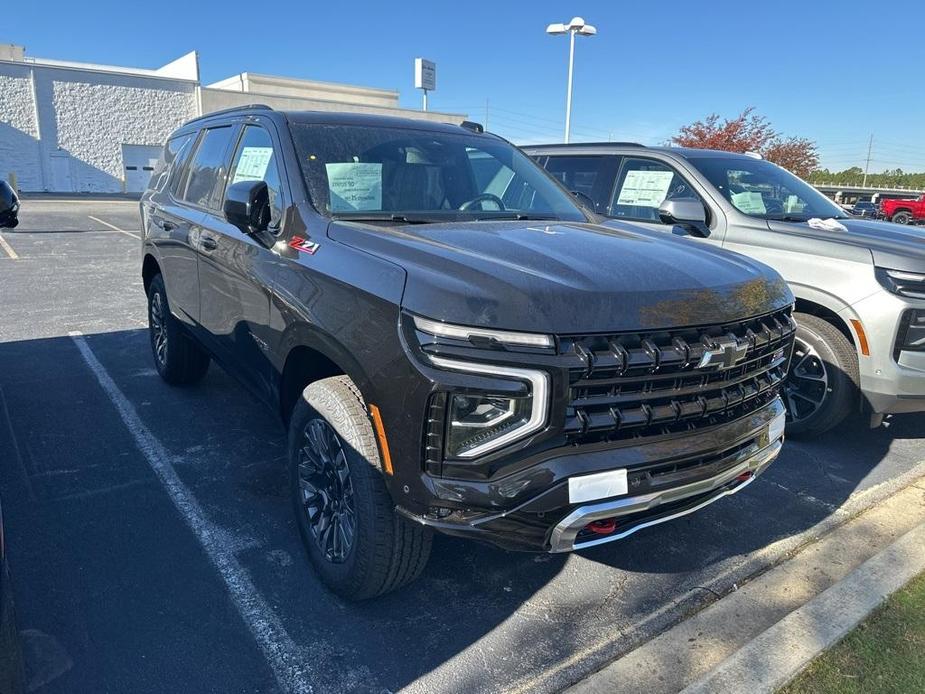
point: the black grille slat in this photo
(650, 384)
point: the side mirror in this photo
(247, 206)
(685, 212)
(9, 206)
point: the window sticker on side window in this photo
(355, 186)
(749, 202)
(253, 163)
(645, 188)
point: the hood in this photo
(895, 246)
(562, 277)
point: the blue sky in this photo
(835, 72)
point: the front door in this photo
(235, 269)
(643, 184)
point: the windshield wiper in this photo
(396, 218)
(519, 216)
(786, 218)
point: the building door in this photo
(139, 162)
(61, 181)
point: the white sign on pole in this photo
(425, 74)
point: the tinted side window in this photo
(207, 167)
(589, 175)
(256, 160)
(643, 185)
(175, 147)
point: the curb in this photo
(584, 664)
(776, 656)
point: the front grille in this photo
(649, 384)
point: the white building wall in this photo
(62, 129)
(19, 150)
(91, 115)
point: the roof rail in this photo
(233, 109)
(589, 144)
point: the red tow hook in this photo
(745, 476)
(602, 527)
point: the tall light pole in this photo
(576, 26)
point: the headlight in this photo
(462, 332)
(483, 422)
(912, 331)
(911, 284)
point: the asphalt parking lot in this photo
(153, 546)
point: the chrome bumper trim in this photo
(563, 535)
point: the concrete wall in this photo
(19, 132)
(217, 99)
(308, 89)
(84, 118)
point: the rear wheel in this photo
(178, 359)
(357, 543)
(822, 387)
(902, 217)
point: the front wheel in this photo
(359, 546)
(822, 387)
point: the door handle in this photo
(207, 243)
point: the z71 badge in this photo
(304, 245)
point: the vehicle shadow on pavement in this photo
(104, 562)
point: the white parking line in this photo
(288, 663)
(8, 249)
(113, 227)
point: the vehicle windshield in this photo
(761, 189)
(407, 175)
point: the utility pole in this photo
(870, 145)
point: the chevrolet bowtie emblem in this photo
(724, 354)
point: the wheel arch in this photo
(827, 314)
(310, 357)
(149, 269)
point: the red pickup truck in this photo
(904, 211)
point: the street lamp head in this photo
(576, 26)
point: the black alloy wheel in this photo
(327, 491)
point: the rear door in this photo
(235, 269)
(169, 223)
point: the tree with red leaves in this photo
(750, 132)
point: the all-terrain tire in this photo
(902, 217)
(387, 550)
(839, 359)
(179, 360)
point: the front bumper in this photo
(531, 509)
(658, 507)
(891, 383)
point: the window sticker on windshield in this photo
(749, 202)
(645, 188)
(252, 166)
(355, 186)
